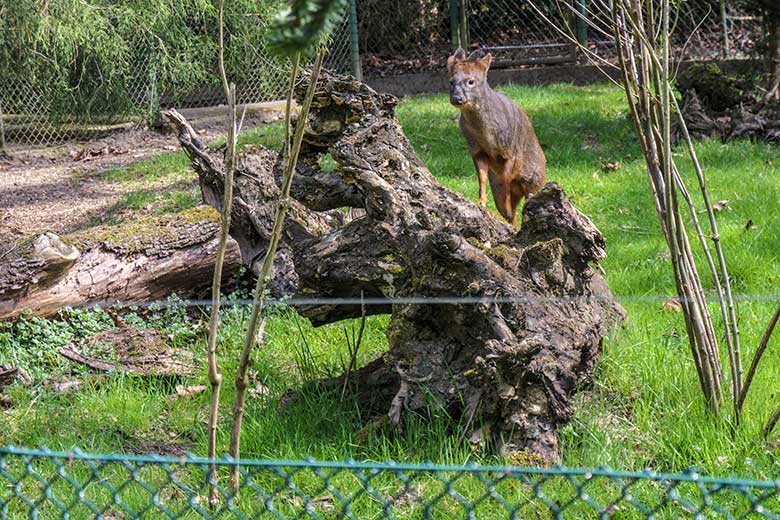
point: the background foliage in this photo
(88, 57)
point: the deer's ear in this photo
(486, 60)
(456, 58)
(475, 55)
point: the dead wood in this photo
(750, 119)
(131, 350)
(10, 375)
(510, 362)
(139, 261)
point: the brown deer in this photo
(499, 134)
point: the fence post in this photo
(357, 70)
(582, 25)
(2, 129)
(724, 23)
(454, 27)
(464, 25)
(154, 98)
(153, 114)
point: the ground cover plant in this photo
(644, 408)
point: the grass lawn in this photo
(644, 408)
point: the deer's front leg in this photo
(481, 163)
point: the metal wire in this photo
(410, 300)
(39, 483)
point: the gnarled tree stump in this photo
(508, 363)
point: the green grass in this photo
(643, 408)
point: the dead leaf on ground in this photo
(324, 502)
(5, 401)
(190, 391)
(672, 304)
(372, 427)
(411, 494)
(611, 166)
(87, 154)
(479, 437)
(718, 206)
(62, 387)
(259, 391)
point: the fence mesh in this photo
(44, 484)
(392, 38)
(516, 32)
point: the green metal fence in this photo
(45, 484)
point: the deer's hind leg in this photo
(501, 196)
(518, 193)
(501, 186)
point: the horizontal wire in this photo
(410, 300)
(169, 463)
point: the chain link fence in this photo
(419, 35)
(378, 38)
(42, 484)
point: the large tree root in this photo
(511, 361)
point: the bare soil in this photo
(61, 189)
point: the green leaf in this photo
(301, 27)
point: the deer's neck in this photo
(482, 112)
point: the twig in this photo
(645, 64)
(356, 345)
(757, 359)
(264, 276)
(724, 295)
(770, 425)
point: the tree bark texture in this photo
(140, 261)
(508, 364)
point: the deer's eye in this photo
(471, 83)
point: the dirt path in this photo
(60, 190)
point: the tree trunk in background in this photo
(139, 261)
(773, 54)
(509, 366)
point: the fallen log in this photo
(140, 261)
(507, 361)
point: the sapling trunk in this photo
(264, 276)
(214, 372)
